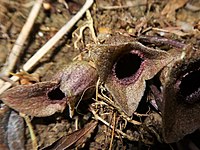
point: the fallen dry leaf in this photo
(15, 132)
(74, 139)
(26, 78)
(172, 6)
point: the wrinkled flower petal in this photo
(77, 80)
(124, 65)
(77, 77)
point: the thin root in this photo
(86, 24)
(131, 138)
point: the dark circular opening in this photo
(127, 65)
(190, 86)
(56, 94)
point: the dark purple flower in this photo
(124, 64)
(181, 95)
(45, 98)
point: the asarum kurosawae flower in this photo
(180, 89)
(181, 94)
(45, 98)
(124, 64)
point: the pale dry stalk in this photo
(44, 49)
(19, 43)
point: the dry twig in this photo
(134, 4)
(43, 50)
(113, 131)
(131, 138)
(64, 30)
(18, 46)
(106, 99)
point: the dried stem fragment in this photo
(32, 134)
(87, 24)
(18, 46)
(44, 49)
